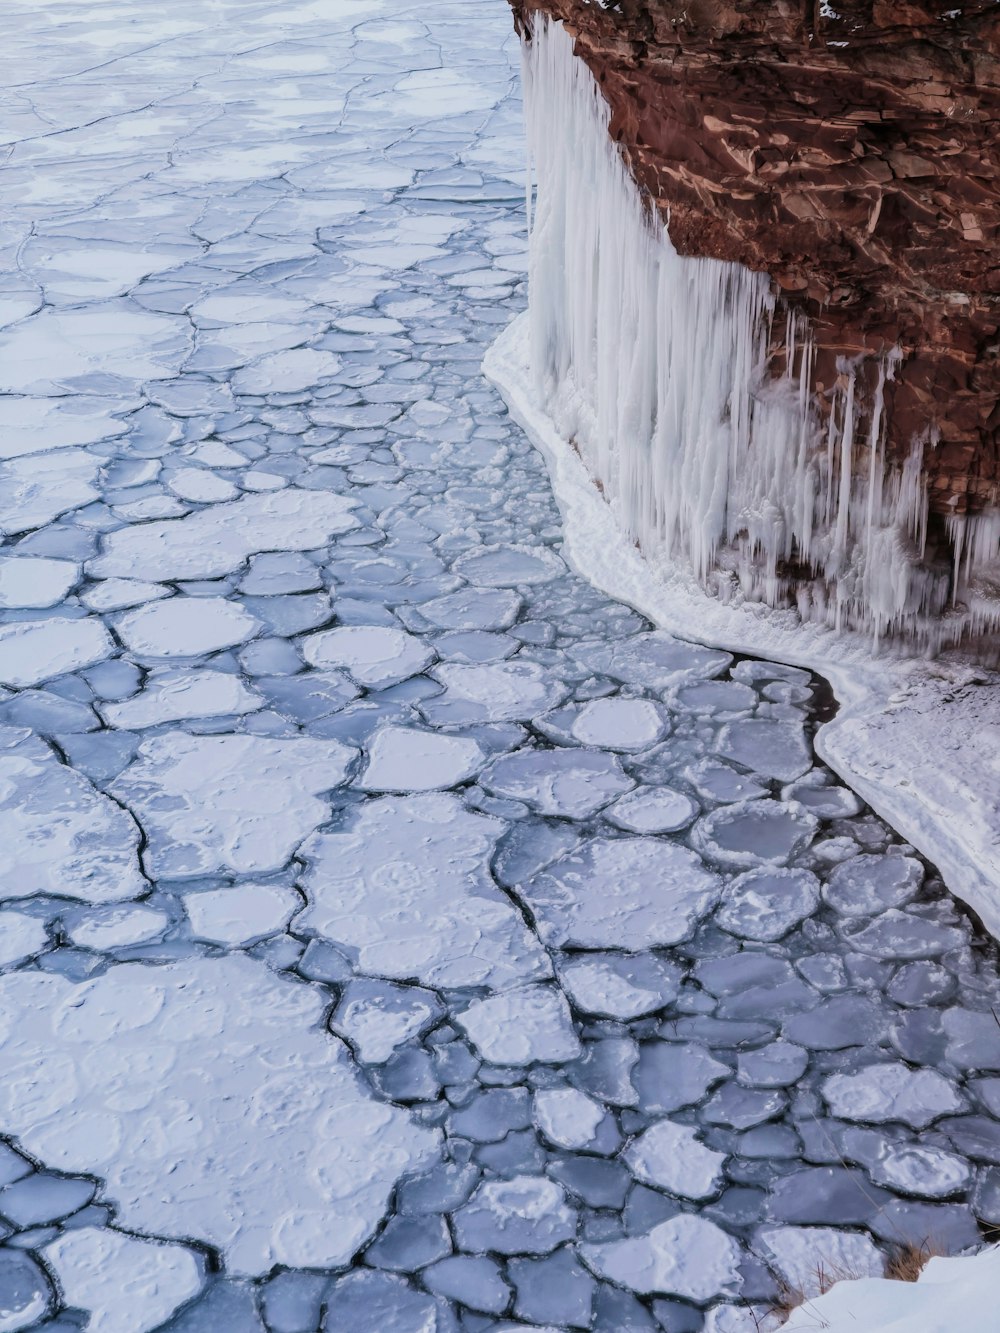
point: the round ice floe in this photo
(236, 1119)
(115, 927)
(524, 1215)
(769, 748)
(240, 915)
(286, 372)
(127, 1284)
(867, 885)
(900, 935)
(377, 1017)
(186, 627)
(21, 937)
(409, 759)
(618, 985)
(653, 660)
(620, 724)
(24, 1291)
(751, 833)
(672, 1157)
(723, 783)
(175, 695)
(197, 483)
(653, 810)
(621, 893)
(686, 1256)
(927, 1172)
(473, 608)
(819, 799)
(807, 1259)
(376, 656)
(35, 581)
(510, 566)
(883, 1092)
(566, 1117)
(35, 650)
(766, 904)
(496, 692)
(521, 1026)
(119, 594)
(717, 698)
(571, 784)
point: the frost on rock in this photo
(60, 835)
(808, 1258)
(172, 696)
(505, 692)
(35, 650)
(752, 833)
(524, 1215)
(764, 905)
(373, 655)
(884, 1092)
(672, 1157)
(126, 1284)
(687, 1256)
(238, 803)
(223, 1113)
(569, 784)
(631, 894)
(185, 627)
(405, 759)
(616, 985)
(218, 540)
(522, 1026)
(404, 889)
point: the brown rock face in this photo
(851, 150)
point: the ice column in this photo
(654, 366)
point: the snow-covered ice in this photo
(172, 696)
(687, 1256)
(410, 759)
(35, 650)
(35, 582)
(373, 655)
(240, 915)
(885, 1092)
(671, 1157)
(185, 627)
(522, 1026)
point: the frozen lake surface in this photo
(395, 932)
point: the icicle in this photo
(656, 367)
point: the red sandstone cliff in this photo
(849, 149)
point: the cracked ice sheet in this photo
(404, 887)
(224, 1112)
(218, 540)
(60, 835)
(238, 803)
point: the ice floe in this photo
(685, 1256)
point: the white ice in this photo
(377, 1017)
(236, 1119)
(238, 803)
(171, 696)
(765, 904)
(568, 1118)
(569, 784)
(408, 759)
(240, 915)
(216, 541)
(618, 985)
(885, 1092)
(619, 724)
(21, 937)
(632, 894)
(35, 490)
(35, 581)
(196, 483)
(687, 1256)
(185, 627)
(119, 594)
(808, 1258)
(404, 886)
(36, 425)
(754, 833)
(656, 810)
(523, 1026)
(375, 656)
(61, 836)
(115, 927)
(126, 1284)
(505, 692)
(672, 1157)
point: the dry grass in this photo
(905, 1264)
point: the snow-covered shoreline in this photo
(919, 741)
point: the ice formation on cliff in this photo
(655, 367)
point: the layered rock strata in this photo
(853, 156)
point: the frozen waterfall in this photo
(655, 367)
